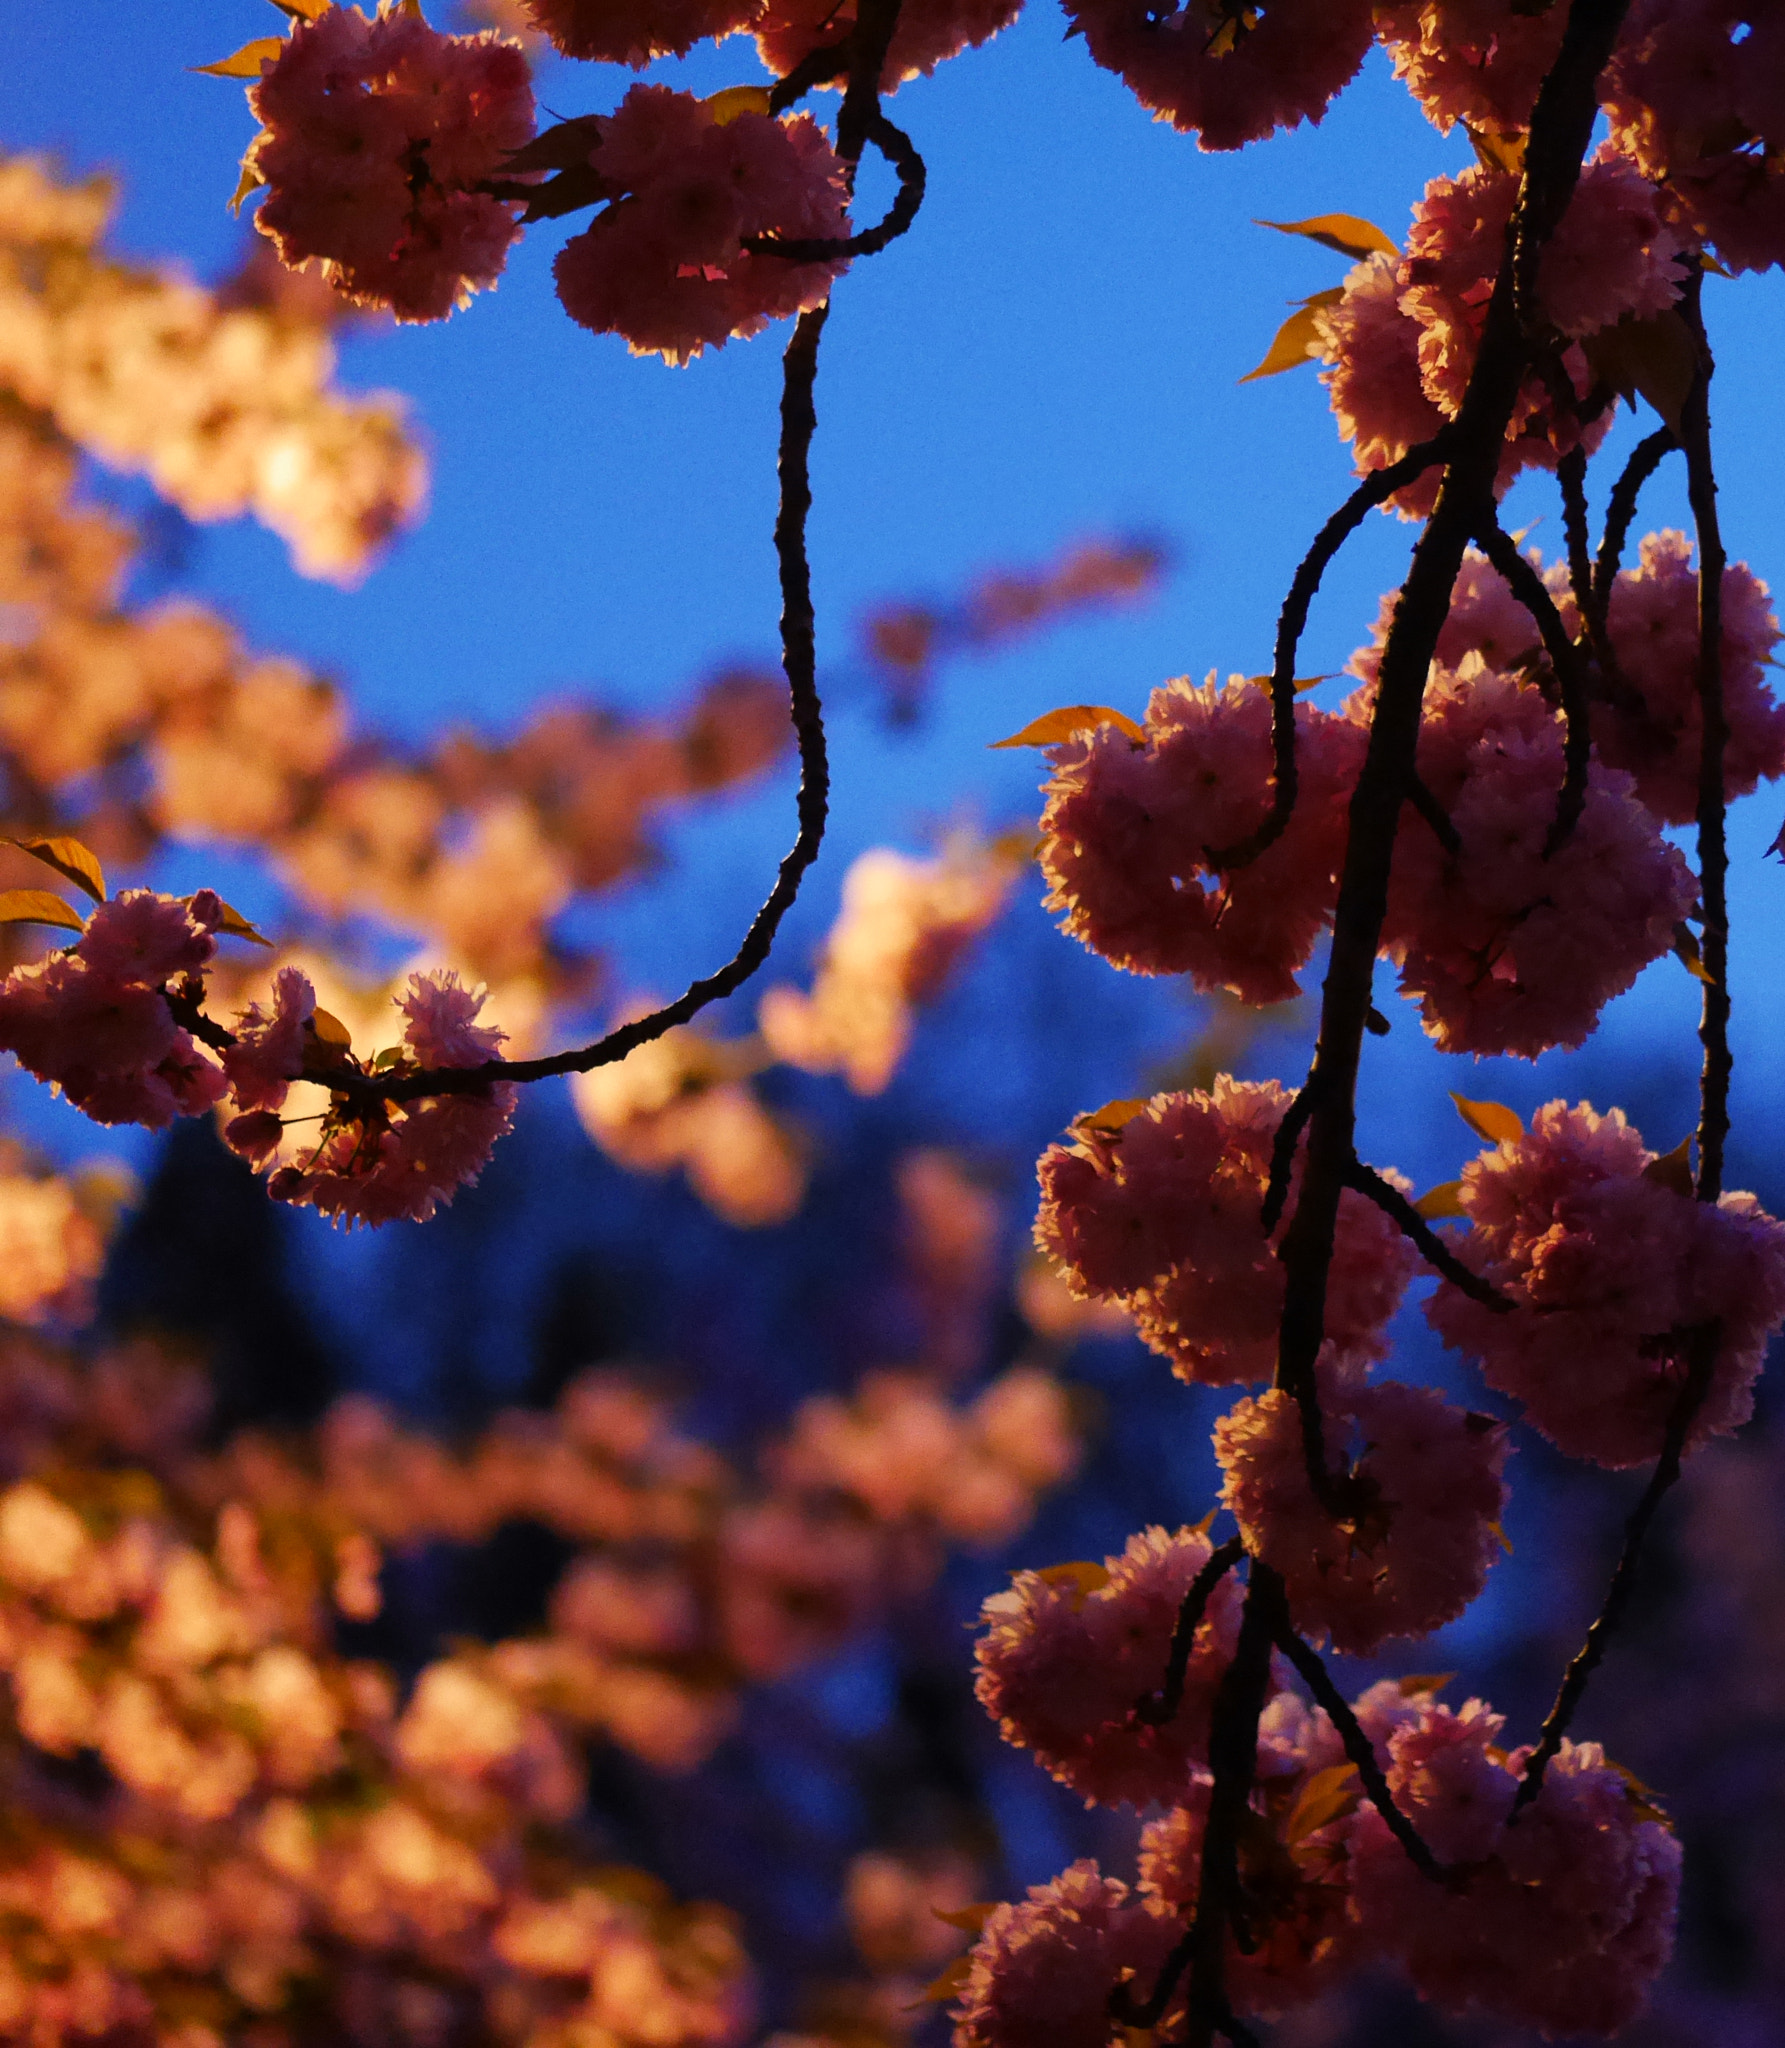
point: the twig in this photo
(799, 419)
(816, 67)
(1436, 1253)
(1420, 796)
(1702, 1346)
(1361, 1751)
(1376, 489)
(1157, 1708)
(901, 152)
(1570, 670)
(1571, 474)
(1276, 1188)
(1620, 511)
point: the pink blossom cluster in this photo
(635, 32)
(927, 33)
(1401, 341)
(1507, 946)
(95, 1021)
(1616, 1275)
(1227, 74)
(1475, 61)
(1561, 1921)
(1693, 94)
(1070, 1653)
(1131, 835)
(665, 264)
(1423, 1499)
(1163, 1214)
(376, 137)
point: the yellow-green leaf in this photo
(1490, 1120)
(1673, 1169)
(1419, 1685)
(735, 100)
(1500, 1537)
(245, 62)
(71, 860)
(1113, 1116)
(1053, 728)
(303, 10)
(38, 906)
(1344, 232)
(1439, 1203)
(234, 925)
(1496, 150)
(941, 1989)
(1081, 1579)
(1327, 1796)
(1296, 340)
(1685, 949)
(387, 1058)
(1302, 683)
(251, 180)
(969, 1919)
(330, 1029)
(1656, 359)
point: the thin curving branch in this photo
(1361, 1751)
(816, 67)
(1701, 1355)
(1420, 796)
(1158, 1708)
(1620, 511)
(901, 152)
(1571, 475)
(1283, 1144)
(1376, 489)
(1570, 671)
(1436, 1253)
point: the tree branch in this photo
(901, 152)
(1620, 511)
(1157, 1708)
(1436, 1253)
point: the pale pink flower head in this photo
(1564, 1920)
(1506, 951)
(1424, 1497)
(374, 135)
(269, 1051)
(634, 31)
(665, 264)
(142, 939)
(1068, 1654)
(1371, 349)
(928, 32)
(1696, 94)
(1128, 829)
(1042, 1970)
(1475, 61)
(1226, 75)
(1484, 618)
(1163, 1214)
(1612, 1270)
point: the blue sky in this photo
(1053, 351)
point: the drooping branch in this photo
(1620, 511)
(1158, 1708)
(1432, 1248)
(1571, 474)
(901, 152)
(1361, 1751)
(1283, 1144)
(1570, 672)
(1376, 489)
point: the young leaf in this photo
(1081, 1579)
(1327, 1796)
(251, 180)
(1440, 1202)
(330, 1029)
(71, 860)
(238, 927)
(943, 1988)
(1673, 1169)
(303, 10)
(1656, 359)
(1054, 727)
(1113, 1116)
(1685, 948)
(1500, 1537)
(562, 147)
(969, 1919)
(1490, 1120)
(1343, 232)
(1496, 151)
(245, 62)
(1302, 683)
(38, 906)
(1419, 1685)
(1296, 340)
(735, 100)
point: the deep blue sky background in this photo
(1054, 350)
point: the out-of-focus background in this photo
(1050, 362)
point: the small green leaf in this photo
(1327, 1796)
(1344, 232)
(330, 1029)
(1656, 359)
(1080, 1579)
(1297, 340)
(1441, 1202)
(969, 1919)
(71, 860)
(1053, 728)
(245, 62)
(250, 180)
(387, 1058)
(726, 106)
(1497, 149)
(1490, 1120)
(1113, 1116)
(236, 926)
(1673, 1170)
(1685, 947)
(943, 1988)
(38, 906)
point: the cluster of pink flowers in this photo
(601, 32)
(1560, 1921)
(665, 263)
(94, 1020)
(1505, 949)
(1423, 1497)
(376, 137)
(1162, 1214)
(1130, 834)
(1229, 74)
(1616, 1274)
(1475, 61)
(927, 34)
